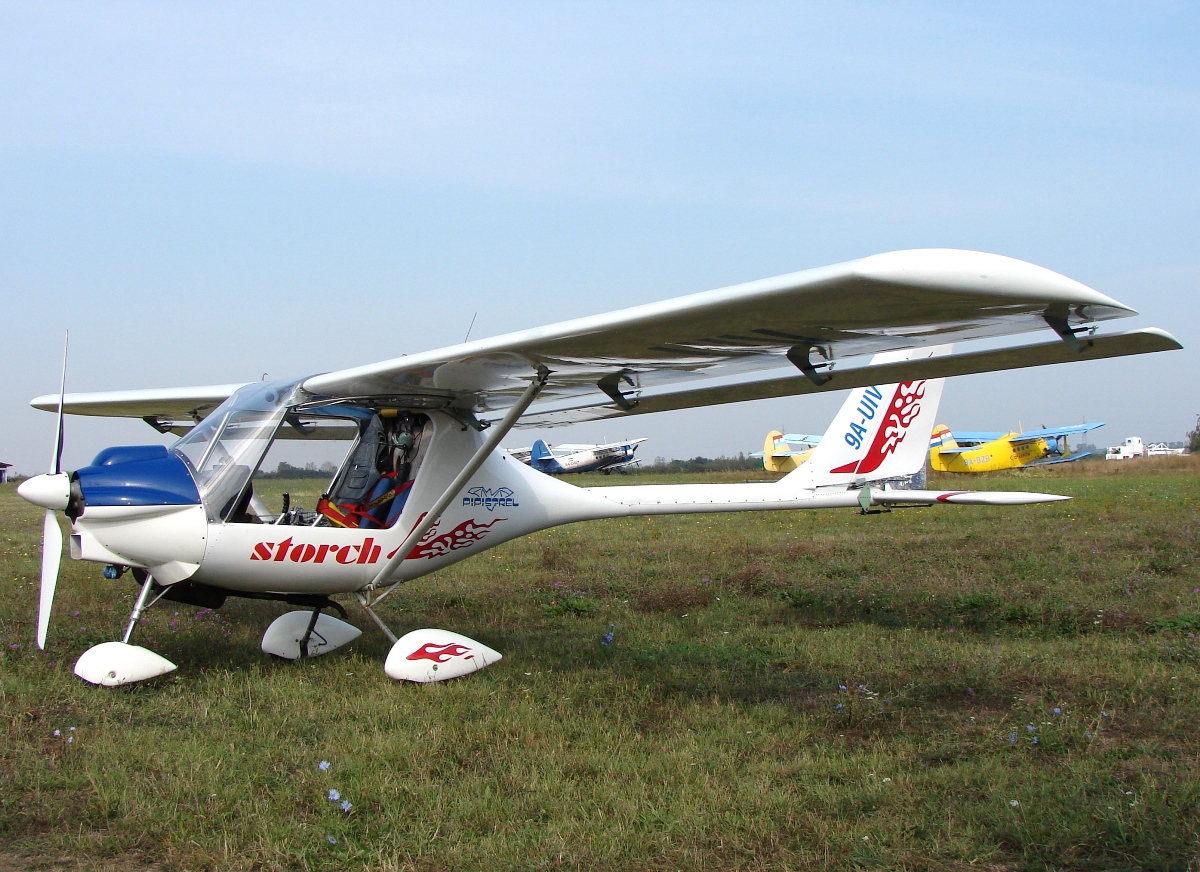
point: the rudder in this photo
(881, 432)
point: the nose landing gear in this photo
(112, 664)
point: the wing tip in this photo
(966, 270)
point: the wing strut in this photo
(497, 433)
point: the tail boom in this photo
(680, 499)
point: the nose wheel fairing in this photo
(112, 664)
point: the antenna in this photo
(472, 324)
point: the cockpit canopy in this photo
(224, 449)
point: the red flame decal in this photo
(438, 653)
(466, 534)
(901, 412)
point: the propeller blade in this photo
(52, 541)
(56, 460)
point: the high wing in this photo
(1143, 341)
(160, 407)
(884, 302)
(805, 438)
(973, 438)
(614, 364)
(1054, 432)
(626, 443)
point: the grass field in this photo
(934, 688)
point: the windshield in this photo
(226, 447)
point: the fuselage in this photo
(191, 514)
(992, 456)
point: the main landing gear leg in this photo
(323, 644)
(367, 607)
(306, 634)
(140, 605)
(312, 622)
(112, 664)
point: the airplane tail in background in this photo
(882, 432)
(541, 457)
(769, 445)
(942, 438)
(770, 448)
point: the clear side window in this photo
(343, 466)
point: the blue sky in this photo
(204, 193)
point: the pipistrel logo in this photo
(489, 498)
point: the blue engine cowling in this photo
(137, 475)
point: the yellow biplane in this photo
(989, 452)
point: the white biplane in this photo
(565, 458)
(423, 483)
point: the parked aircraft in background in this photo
(1162, 449)
(783, 452)
(561, 459)
(988, 452)
(422, 484)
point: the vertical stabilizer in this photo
(542, 459)
(881, 432)
(941, 438)
(770, 446)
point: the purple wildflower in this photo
(323, 765)
(334, 796)
(346, 805)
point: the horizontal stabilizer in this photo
(961, 498)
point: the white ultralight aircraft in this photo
(424, 484)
